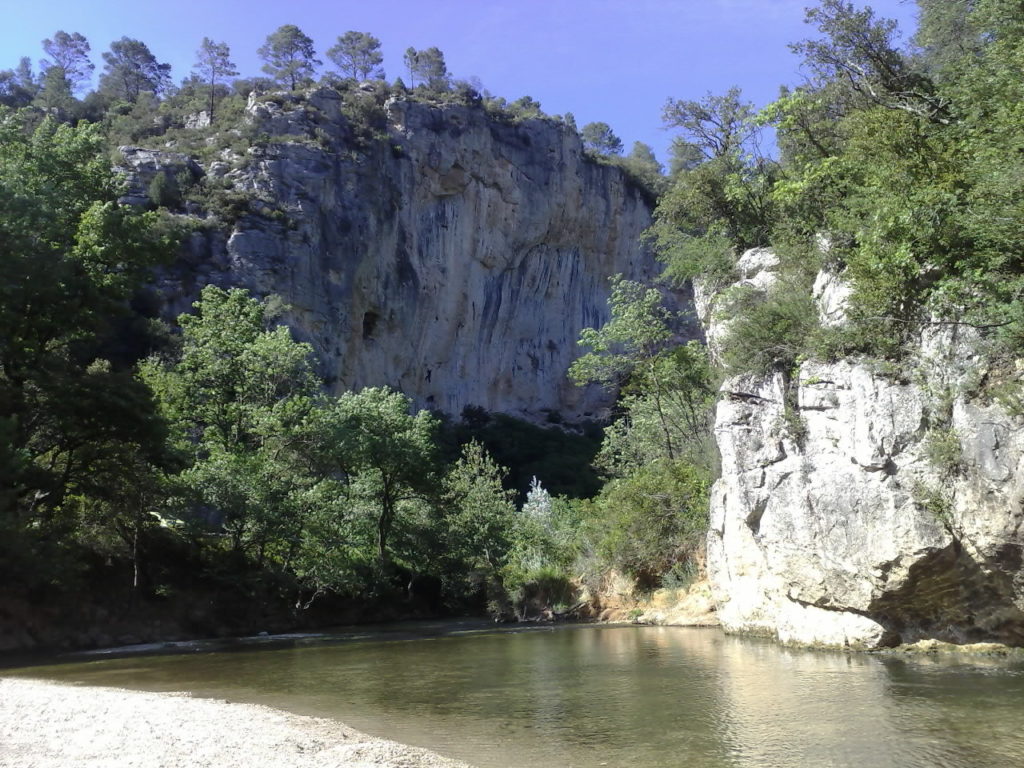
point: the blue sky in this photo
(610, 60)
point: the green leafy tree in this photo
(358, 55)
(643, 165)
(977, 182)
(671, 421)
(71, 257)
(428, 68)
(808, 121)
(386, 452)
(25, 77)
(130, 69)
(599, 137)
(18, 86)
(213, 63)
(769, 332)
(643, 155)
(720, 202)
(718, 126)
(654, 520)
(238, 401)
(946, 36)
(481, 515)
(683, 156)
(713, 213)
(650, 517)
(289, 55)
(860, 50)
(638, 331)
(875, 154)
(67, 69)
(632, 348)
(525, 108)
(545, 538)
(69, 55)
(55, 96)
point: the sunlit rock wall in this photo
(452, 256)
(860, 505)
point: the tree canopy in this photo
(600, 138)
(71, 256)
(213, 64)
(358, 55)
(427, 68)
(130, 69)
(69, 55)
(388, 452)
(289, 55)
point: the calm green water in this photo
(619, 696)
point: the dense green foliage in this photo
(598, 137)
(427, 68)
(357, 55)
(719, 203)
(648, 519)
(131, 69)
(218, 467)
(222, 456)
(78, 431)
(235, 400)
(906, 162)
(289, 56)
(898, 171)
(227, 444)
(651, 523)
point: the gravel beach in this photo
(51, 725)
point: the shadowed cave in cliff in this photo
(951, 597)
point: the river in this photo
(579, 696)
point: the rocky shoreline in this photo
(53, 725)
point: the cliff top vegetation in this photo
(138, 103)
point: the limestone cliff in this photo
(863, 507)
(431, 248)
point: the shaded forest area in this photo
(204, 480)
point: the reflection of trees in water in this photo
(623, 696)
(962, 711)
(568, 696)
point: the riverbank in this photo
(618, 600)
(51, 725)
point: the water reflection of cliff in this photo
(784, 707)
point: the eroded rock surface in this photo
(450, 255)
(860, 507)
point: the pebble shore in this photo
(53, 725)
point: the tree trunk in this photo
(383, 529)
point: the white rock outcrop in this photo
(834, 523)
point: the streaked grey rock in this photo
(450, 255)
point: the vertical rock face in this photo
(452, 256)
(862, 508)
